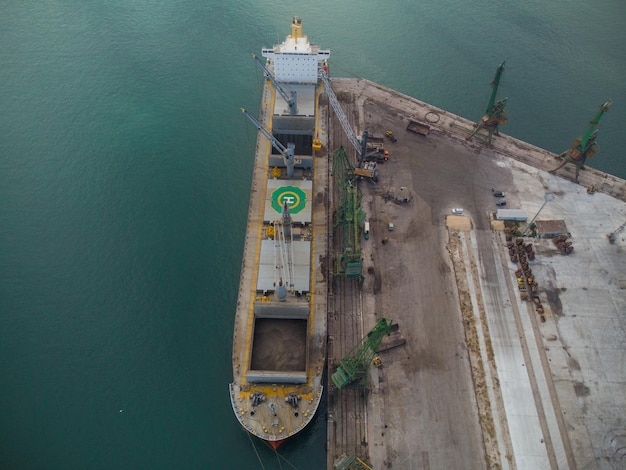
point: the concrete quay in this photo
(482, 381)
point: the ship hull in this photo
(279, 339)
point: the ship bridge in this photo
(296, 59)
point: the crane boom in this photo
(360, 147)
(496, 113)
(495, 84)
(343, 120)
(592, 126)
(354, 365)
(292, 100)
(287, 152)
(613, 235)
(283, 254)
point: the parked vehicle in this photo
(391, 136)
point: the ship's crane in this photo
(496, 113)
(363, 168)
(584, 146)
(288, 152)
(353, 367)
(291, 99)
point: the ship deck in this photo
(279, 347)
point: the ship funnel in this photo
(296, 28)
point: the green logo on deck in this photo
(294, 197)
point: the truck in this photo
(378, 155)
(366, 230)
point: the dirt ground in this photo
(459, 222)
(426, 406)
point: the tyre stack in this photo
(563, 244)
(521, 254)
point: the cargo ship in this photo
(279, 339)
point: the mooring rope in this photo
(278, 459)
(255, 451)
(287, 461)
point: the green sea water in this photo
(125, 167)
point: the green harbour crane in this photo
(496, 113)
(353, 367)
(348, 218)
(585, 146)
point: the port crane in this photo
(363, 168)
(353, 367)
(349, 217)
(496, 113)
(288, 152)
(291, 99)
(585, 146)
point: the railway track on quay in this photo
(347, 408)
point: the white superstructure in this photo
(296, 60)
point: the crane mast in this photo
(291, 99)
(288, 152)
